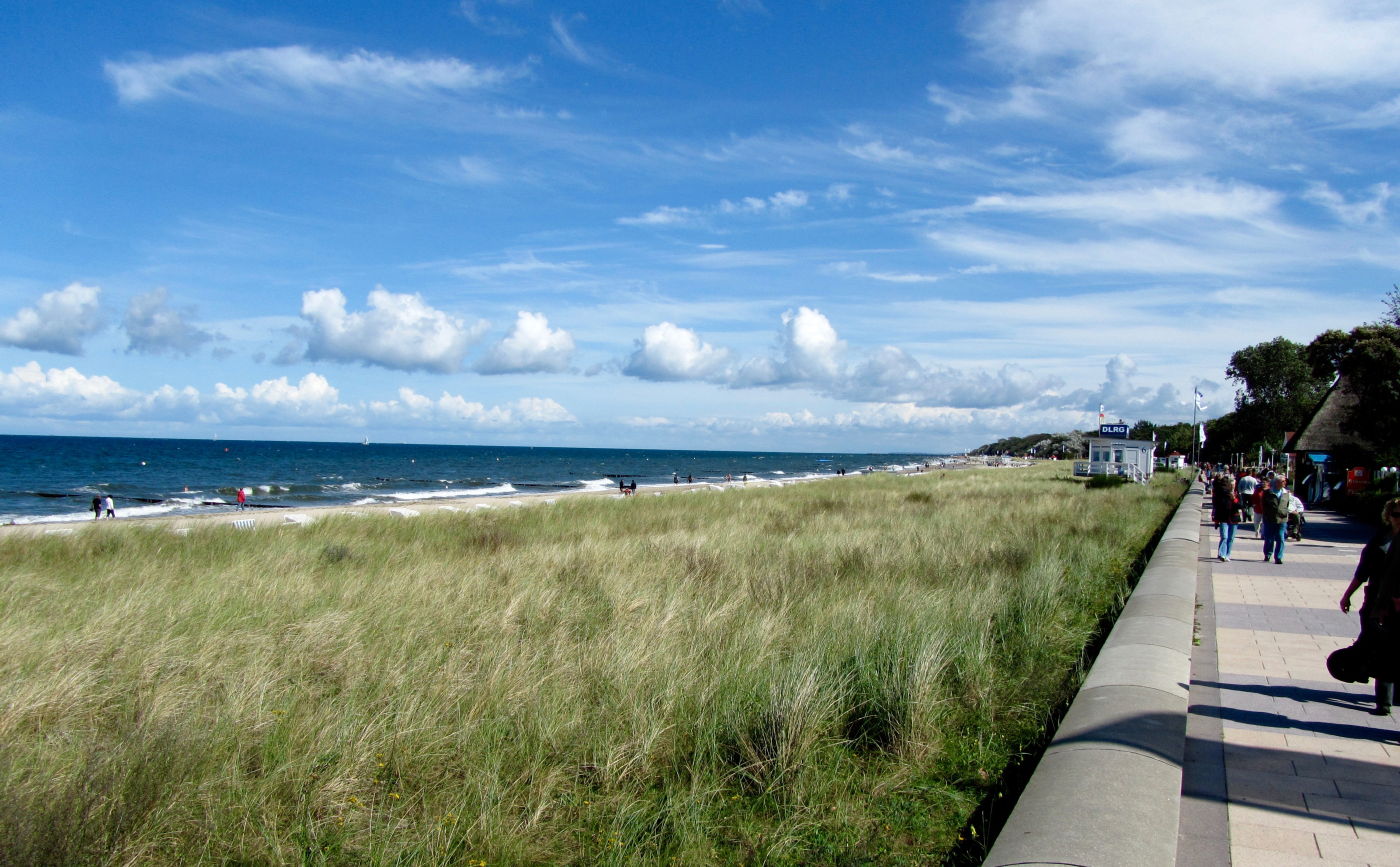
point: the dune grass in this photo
(830, 673)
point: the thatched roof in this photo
(1323, 432)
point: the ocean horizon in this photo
(54, 478)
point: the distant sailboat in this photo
(366, 442)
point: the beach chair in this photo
(245, 524)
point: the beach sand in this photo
(264, 517)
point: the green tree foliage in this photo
(1170, 437)
(1279, 387)
(1042, 445)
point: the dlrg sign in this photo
(1117, 431)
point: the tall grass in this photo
(829, 673)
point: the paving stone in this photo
(1364, 850)
(1311, 777)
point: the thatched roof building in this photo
(1324, 432)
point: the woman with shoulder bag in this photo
(1225, 512)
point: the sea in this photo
(54, 478)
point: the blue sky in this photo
(736, 224)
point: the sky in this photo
(813, 225)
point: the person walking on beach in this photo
(1225, 512)
(1370, 570)
(110, 506)
(675, 478)
(242, 498)
(96, 508)
(1276, 505)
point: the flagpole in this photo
(1195, 431)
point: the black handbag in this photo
(1350, 664)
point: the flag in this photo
(1200, 406)
(1100, 413)
(1203, 433)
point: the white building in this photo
(1111, 453)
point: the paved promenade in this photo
(1284, 765)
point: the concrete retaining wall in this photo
(1108, 789)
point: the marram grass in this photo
(830, 673)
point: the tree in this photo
(1279, 389)
(1392, 306)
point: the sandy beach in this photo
(265, 517)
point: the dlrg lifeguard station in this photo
(1111, 453)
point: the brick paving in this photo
(1284, 764)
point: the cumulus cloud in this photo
(668, 352)
(295, 73)
(312, 399)
(66, 393)
(399, 332)
(890, 374)
(154, 327)
(62, 393)
(453, 409)
(58, 322)
(531, 347)
(810, 351)
(1122, 397)
(811, 355)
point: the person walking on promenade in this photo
(1245, 489)
(110, 506)
(1225, 512)
(96, 508)
(1276, 504)
(1370, 570)
(242, 498)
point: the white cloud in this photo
(528, 264)
(809, 352)
(463, 171)
(399, 332)
(311, 400)
(1018, 252)
(662, 216)
(1139, 203)
(890, 374)
(668, 352)
(58, 322)
(154, 327)
(497, 25)
(1153, 136)
(862, 269)
(1357, 213)
(296, 73)
(453, 410)
(571, 47)
(31, 391)
(531, 347)
(62, 393)
(1245, 47)
(779, 204)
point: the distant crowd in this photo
(1263, 502)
